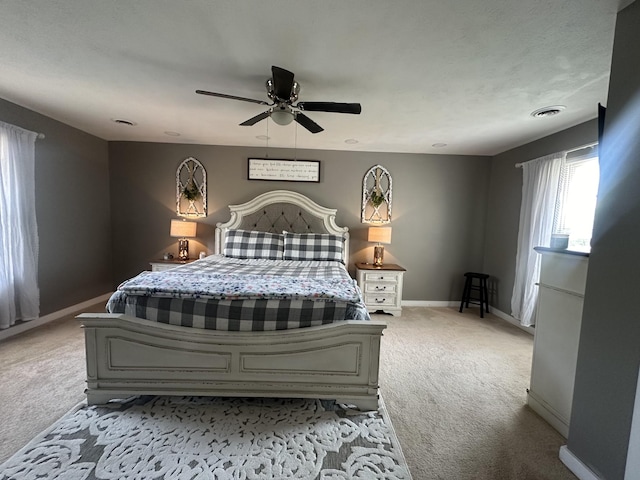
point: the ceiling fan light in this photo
(282, 117)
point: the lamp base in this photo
(378, 255)
(183, 249)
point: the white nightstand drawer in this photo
(162, 265)
(380, 287)
(381, 277)
(382, 300)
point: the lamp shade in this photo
(182, 229)
(380, 234)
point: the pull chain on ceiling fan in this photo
(283, 91)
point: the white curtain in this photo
(539, 191)
(19, 293)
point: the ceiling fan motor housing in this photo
(295, 90)
(283, 91)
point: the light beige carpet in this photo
(42, 373)
(454, 385)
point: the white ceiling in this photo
(467, 73)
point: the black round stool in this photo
(480, 287)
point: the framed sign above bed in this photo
(284, 170)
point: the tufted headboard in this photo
(280, 210)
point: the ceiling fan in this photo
(283, 91)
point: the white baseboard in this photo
(493, 310)
(23, 327)
(549, 413)
(511, 320)
(428, 303)
(574, 464)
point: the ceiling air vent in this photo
(548, 111)
(122, 121)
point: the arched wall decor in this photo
(376, 195)
(191, 189)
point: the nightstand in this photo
(162, 265)
(381, 286)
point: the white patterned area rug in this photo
(182, 438)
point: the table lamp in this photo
(379, 235)
(183, 230)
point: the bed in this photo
(326, 353)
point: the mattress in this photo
(224, 293)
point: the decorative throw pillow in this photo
(252, 244)
(313, 246)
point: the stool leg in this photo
(482, 300)
(465, 294)
(486, 294)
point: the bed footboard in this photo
(129, 356)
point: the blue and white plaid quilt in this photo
(233, 294)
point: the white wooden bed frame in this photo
(131, 356)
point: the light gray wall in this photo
(438, 206)
(503, 208)
(609, 352)
(72, 210)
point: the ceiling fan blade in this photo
(282, 82)
(232, 97)
(354, 108)
(307, 123)
(256, 119)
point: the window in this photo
(19, 294)
(576, 201)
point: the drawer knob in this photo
(378, 287)
(379, 301)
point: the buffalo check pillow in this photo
(313, 246)
(252, 244)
